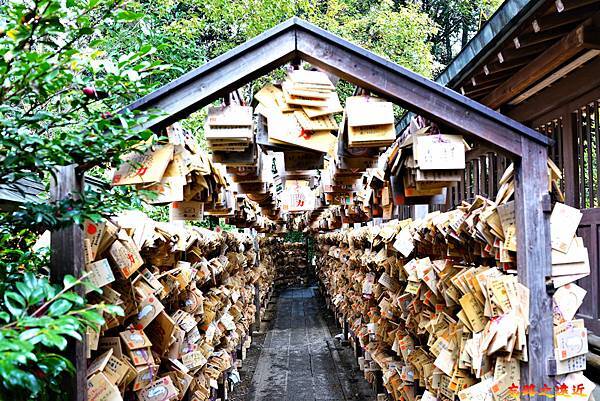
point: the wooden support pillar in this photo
(222, 388)
(257, 303)
(378, 382)
(533, 260)
(570, 157)
(345, 329)
(67, 258)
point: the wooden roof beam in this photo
(568, 5)
(518, 53)
(296, 38)
(220, 76)
(531, 39)
(555, 76)
(542, 65)
(579, 83)
(496, 67)
(568, 17)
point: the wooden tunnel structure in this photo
(296, 39)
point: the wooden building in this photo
(536, 61)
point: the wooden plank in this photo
(573, 86)
(596, 111)
(533, 262)
(555, 76)
(590, 149)
(538, 68)
(67, 258)
(580, 142)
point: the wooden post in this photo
(257, 303)
(569, 149)
(67, 258)
(345, 329)
(533, 260)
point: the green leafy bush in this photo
(61, 103)
(39, 319)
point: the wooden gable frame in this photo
(297, 39)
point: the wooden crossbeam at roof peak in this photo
(294, 39)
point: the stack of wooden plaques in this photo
(301, 113)
(288, 258)
(436, 307)
(507, 183)
(177, 172)
(229, 128)
(570, 262)
(188, 297)
(370, 122)
(424, 163)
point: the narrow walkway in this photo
(299, 360)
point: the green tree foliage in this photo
(458, 21)
(187, 33)
(59, 102)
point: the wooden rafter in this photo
(555, 76)
(559, 19)
(496, 67)
(579, 84)
(568, 5)
(541, 66)
(509, 54)
(534, 38)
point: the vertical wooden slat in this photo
(453, 196)
(483, 182)
(580, 160)
(559, 143)
(533, 262)
(571, 172)
(596, 135)
(67, 258)
(470, 188)
(554, 136)
(595, 276)
(461, 187)
(590, 178)
(476, 177)
(493, 178)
